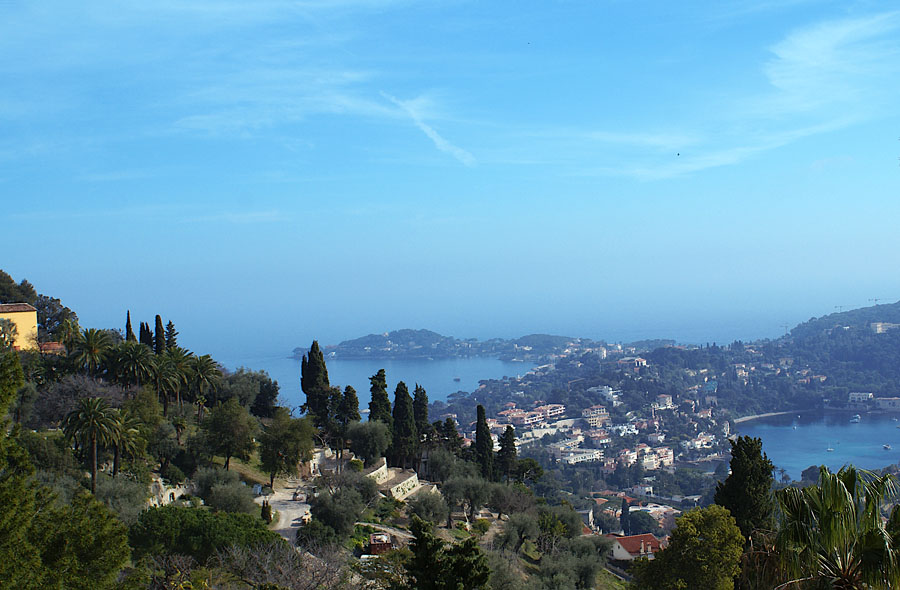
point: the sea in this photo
(439, 377)
(797, 441)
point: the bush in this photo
(266, 512)
(126, 498)
(206, 478)
(429, 507)
(232, 497)
(356, 465)
(179, 530)
(173, 475)
(481, 526)
(387, 508)
(316, 533)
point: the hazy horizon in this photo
(268, 173)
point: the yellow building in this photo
(24, 317)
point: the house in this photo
(634, 546)
(887, 403)
(656, 437)
(860, 397)
(380, 543)
(596, 416)
(607, 393)
(550, 411)
(664, 402)
(24, 318)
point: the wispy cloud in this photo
(820, 78)
(832, 65)
(413, 109)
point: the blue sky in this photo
(267, 172)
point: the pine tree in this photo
(380, 406)
(747, 492)
(129, 332)
(314, 383)
(405, 437)
(171, 335)
(159, 337)
(434, 566)
(506, 457)
(484, 445)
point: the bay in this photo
(794, 444)
(436, 376)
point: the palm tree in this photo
(163, 379)
(92, 422)
(181, 361)
(205, 374)
(91, 348)
(180, 425)
(124, 436)
(832, 534)
(201, 403)
(132, 363)
(68, 333)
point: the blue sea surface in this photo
(797, 441)
(436, 376)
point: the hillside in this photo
(418, 344)
(856, 318)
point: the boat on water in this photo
(830, 450)
(855, 419)
(457, 379)
(886, 447)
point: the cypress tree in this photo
(348, 411)
(129, 332)
(314, 383)
(146, 336)
(506, 457)
(380, 406)
(624, 519)
(420, 410)
(159, 337)
(450, 437)
(405, 438)
(484, 445)
(171, 335)
(747, 492)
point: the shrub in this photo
(481, 526)
(206, 478)
(126, 498)
(173, 475)
(232, 497)
(429, 507)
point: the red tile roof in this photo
(634, 543)
(14, 307)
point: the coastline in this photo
(767, 415)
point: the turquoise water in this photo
(794, 443)
(437, 376)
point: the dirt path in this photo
(290, 512)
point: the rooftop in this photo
(15, 307)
